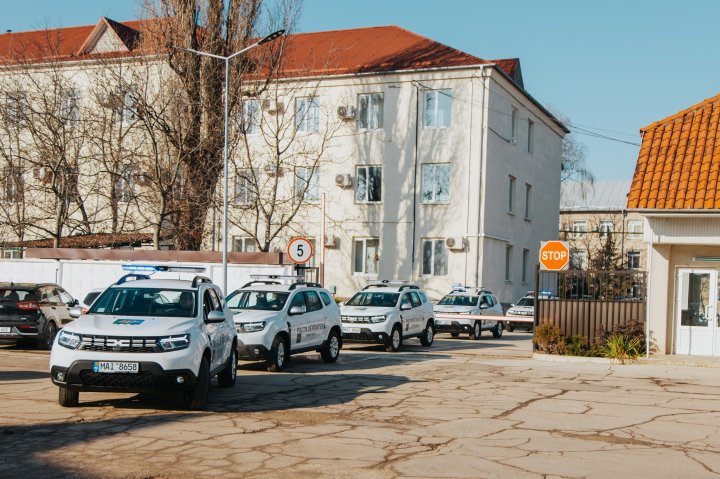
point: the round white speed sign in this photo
(300, 250)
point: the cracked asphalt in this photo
(461, 409)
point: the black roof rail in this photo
(408, 286)
(304, 283)
(259, 281)
(200, 279)
(133, 276)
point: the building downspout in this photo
(415, 171)
(469, 183)
(481, 203)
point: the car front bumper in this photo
(364, 334)
(450, 326)
(251, 352)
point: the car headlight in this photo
(250, 327)
(378, 319)
(69, 340)
(174, 343)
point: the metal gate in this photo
(581, 302)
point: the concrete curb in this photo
(668, 360)
(556, 358)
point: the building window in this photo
(435, 257)
(436, 183)
(15, 106)
(366, 255)
(244, 244)
(635, 229)
(528, 192)
(128, 112)
(250, 117)
(531, 134)
(11, 253)
(125, 186)
(307, 114)
(307, 186)
(607, 228)
(244, 191)
(438, 108)
(370, 111)
(368, 184)
(69, 106)
(525, 265)
(511, 195)
(513, 125)
(508, 263)
(578, 259)
(579, 229)
(12, 186)
(633, 260)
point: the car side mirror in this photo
(512, 305)
(75, 312)
(405, 306)
(215, 317)
(297, 310)
(74, 302)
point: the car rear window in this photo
(17, 295)
(325, 297)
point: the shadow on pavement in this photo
(22, 375)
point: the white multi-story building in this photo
(437, 166)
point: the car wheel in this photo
(428, 335)
(477, 331)
(331, 351)
(510, 327)
(196, 397)
(394, 341)
(50, 332)
(68, 397)
(454, 334)
(498, 330)
(226, 378)
(278, 355)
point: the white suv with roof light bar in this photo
(148, 335)
(388, 312)
(275, 320)
(464, 300)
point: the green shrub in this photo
(622, 348)
(577, 346)
(548, 340)
(632, 330)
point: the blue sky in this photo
(611, 66)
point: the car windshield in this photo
(526, 302)
(262, 300)
(366, 298)
(146, 302)
(454, 300)
(17, 295)
(90, 297)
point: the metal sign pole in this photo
(322, 241)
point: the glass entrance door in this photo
(696, 317)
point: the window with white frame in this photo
(436, 183)
(525, 266)
(578, 259)
(438, 108)
(508, 263)
(70, 106)
(250, 116)
(307, 114)
(244, 190)
(579, 228)
(12, 184)
(15, 109)
(368, 184)
(244, 244)
(435, 257)
(635, 229)
(528, 199)
(307, 184)
(511, 195)
(125, 186)
(11, 253)
(370, 111)
(633, 260)
(606, 228)
(530, 136)
(513, 125)
(366, 255)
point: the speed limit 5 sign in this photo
(300, 250)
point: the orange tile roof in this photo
(679, 161)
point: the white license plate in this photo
(350, 329)
(115, 367)
(442, 322)
(5, 329)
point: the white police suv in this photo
(275, 320)
(148, 335)
(465, 300)
(388, 312)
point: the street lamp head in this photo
(272, 37)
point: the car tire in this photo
(476, 331)
(331, 351)
(394, 341)
(454, 334)
(68, 397)
(196, 397)
(428, 334)
(49, 337)
(278, 356)
(510, 327)
(498, 330)
(227, 377)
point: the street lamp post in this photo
(227, 59)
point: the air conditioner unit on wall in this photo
(331, 241)
(272, 106)
(455, 242)
(346, 112)
(343, 181)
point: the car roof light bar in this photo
(156, 268)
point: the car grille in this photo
(114, 344)
(116, 380)
(355, 319)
